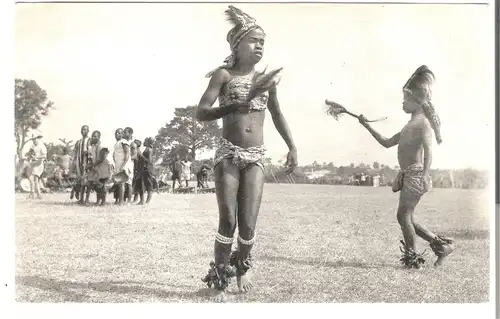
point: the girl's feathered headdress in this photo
(242, 25)
(419, 85)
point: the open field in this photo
(315, 244)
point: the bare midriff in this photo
(244, 129)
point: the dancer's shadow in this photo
(328, 263)
(66, 288)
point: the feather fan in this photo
(336, 110)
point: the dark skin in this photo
(176, 168)
(147, 160)
(414, 146)
(94, 139)
(101, 194)
(138, 145)
(85, 132)
(235, 187)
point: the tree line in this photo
(184, 135)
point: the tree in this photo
(330, 166)
(316, 165)
(376, 165)
(54, 149)
(169, 154)
(184, 130)
(31, 104)
(67, 143)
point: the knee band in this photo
(223, 240)
(246, 242)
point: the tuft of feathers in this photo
(262, 81)
(237, 17)
(334, 109)
(410, 258)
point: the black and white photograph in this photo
(262, 153)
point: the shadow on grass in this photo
(75, 204)
(467, 234)
(60, 203)
(331, 264)
(65, 288)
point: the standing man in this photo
(176, 171)
(80, 161)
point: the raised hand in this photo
(362, 119)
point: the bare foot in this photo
(215, 295)
(244, 282)
(446, 250)
(442, 247)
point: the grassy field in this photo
(315, 244)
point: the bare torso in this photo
(410, 147)
(243, 129)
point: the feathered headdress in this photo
(419, 85)
(242, 25)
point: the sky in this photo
(117, 65)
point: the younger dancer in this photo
(238, 170)
(415, 157)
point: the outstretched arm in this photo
(385, 142)
(282, 126)
(205, 111)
